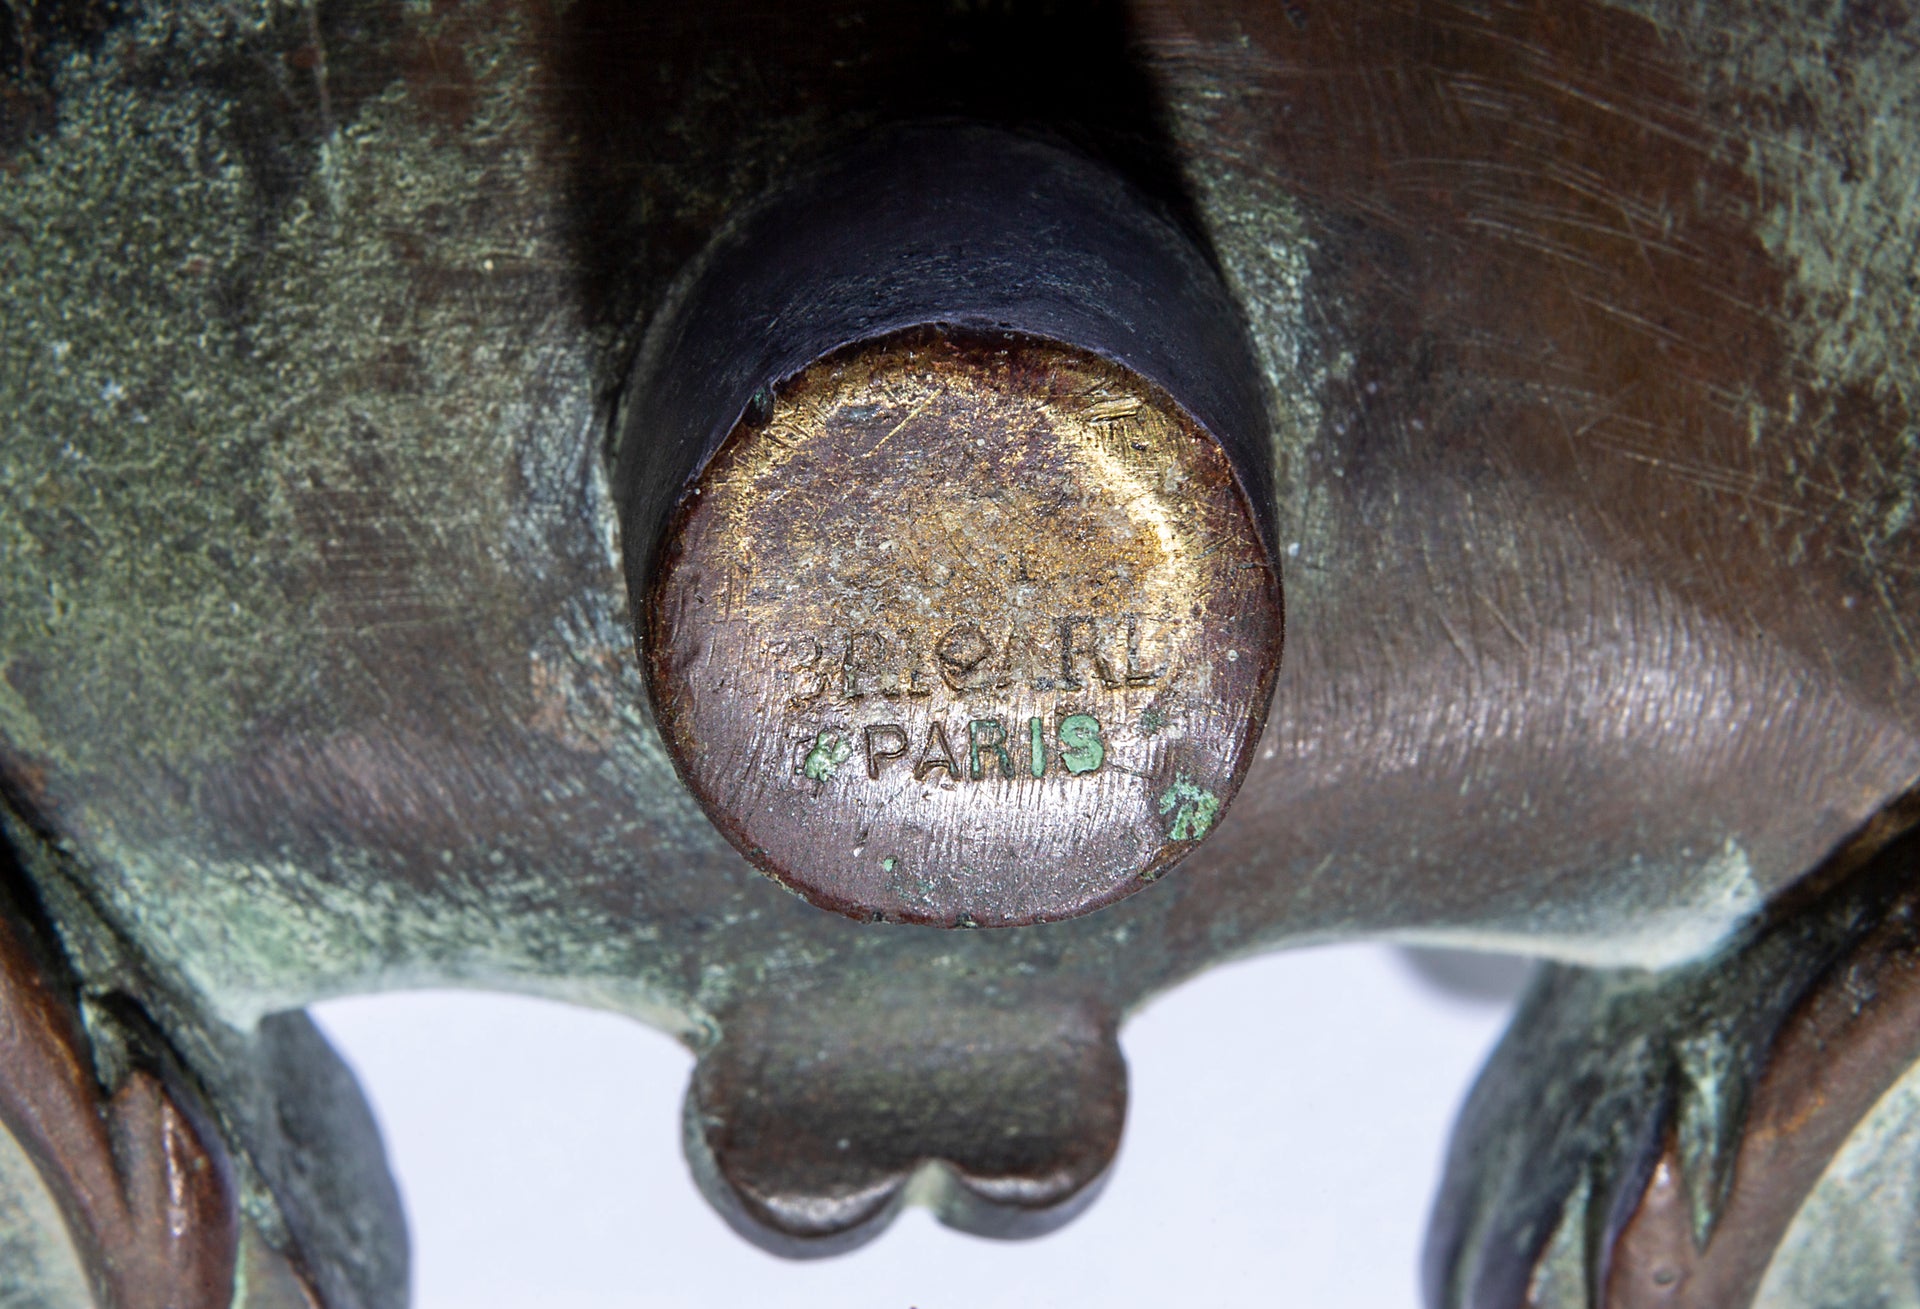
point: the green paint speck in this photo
(1081, 749)
(1195, 809)
(828, 753)
(889, 863)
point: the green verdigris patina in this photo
(1591, 404)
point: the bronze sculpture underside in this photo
(1587, 335)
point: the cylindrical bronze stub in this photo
(947, 515)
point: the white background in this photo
(1287, 1120)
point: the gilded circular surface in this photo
(964, 631)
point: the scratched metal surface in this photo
(1589, 338)
(965, 633)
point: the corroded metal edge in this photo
(1648, 1139)
(142, 1177)
(195, 1167)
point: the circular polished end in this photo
(946, 501)
(964, 629)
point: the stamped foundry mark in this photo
(1073, 652)
(986, 750)
(971, 605)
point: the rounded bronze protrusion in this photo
(969, 628)
(968, 616)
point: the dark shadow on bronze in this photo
(670, 117)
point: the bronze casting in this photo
(1683, 1138)
(356, 356)
(968, 416)
(969, 633)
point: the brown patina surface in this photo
(1851, 1036)
(964, 632)
(1589, 337)
(1648, 1139)
(143, 1184)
